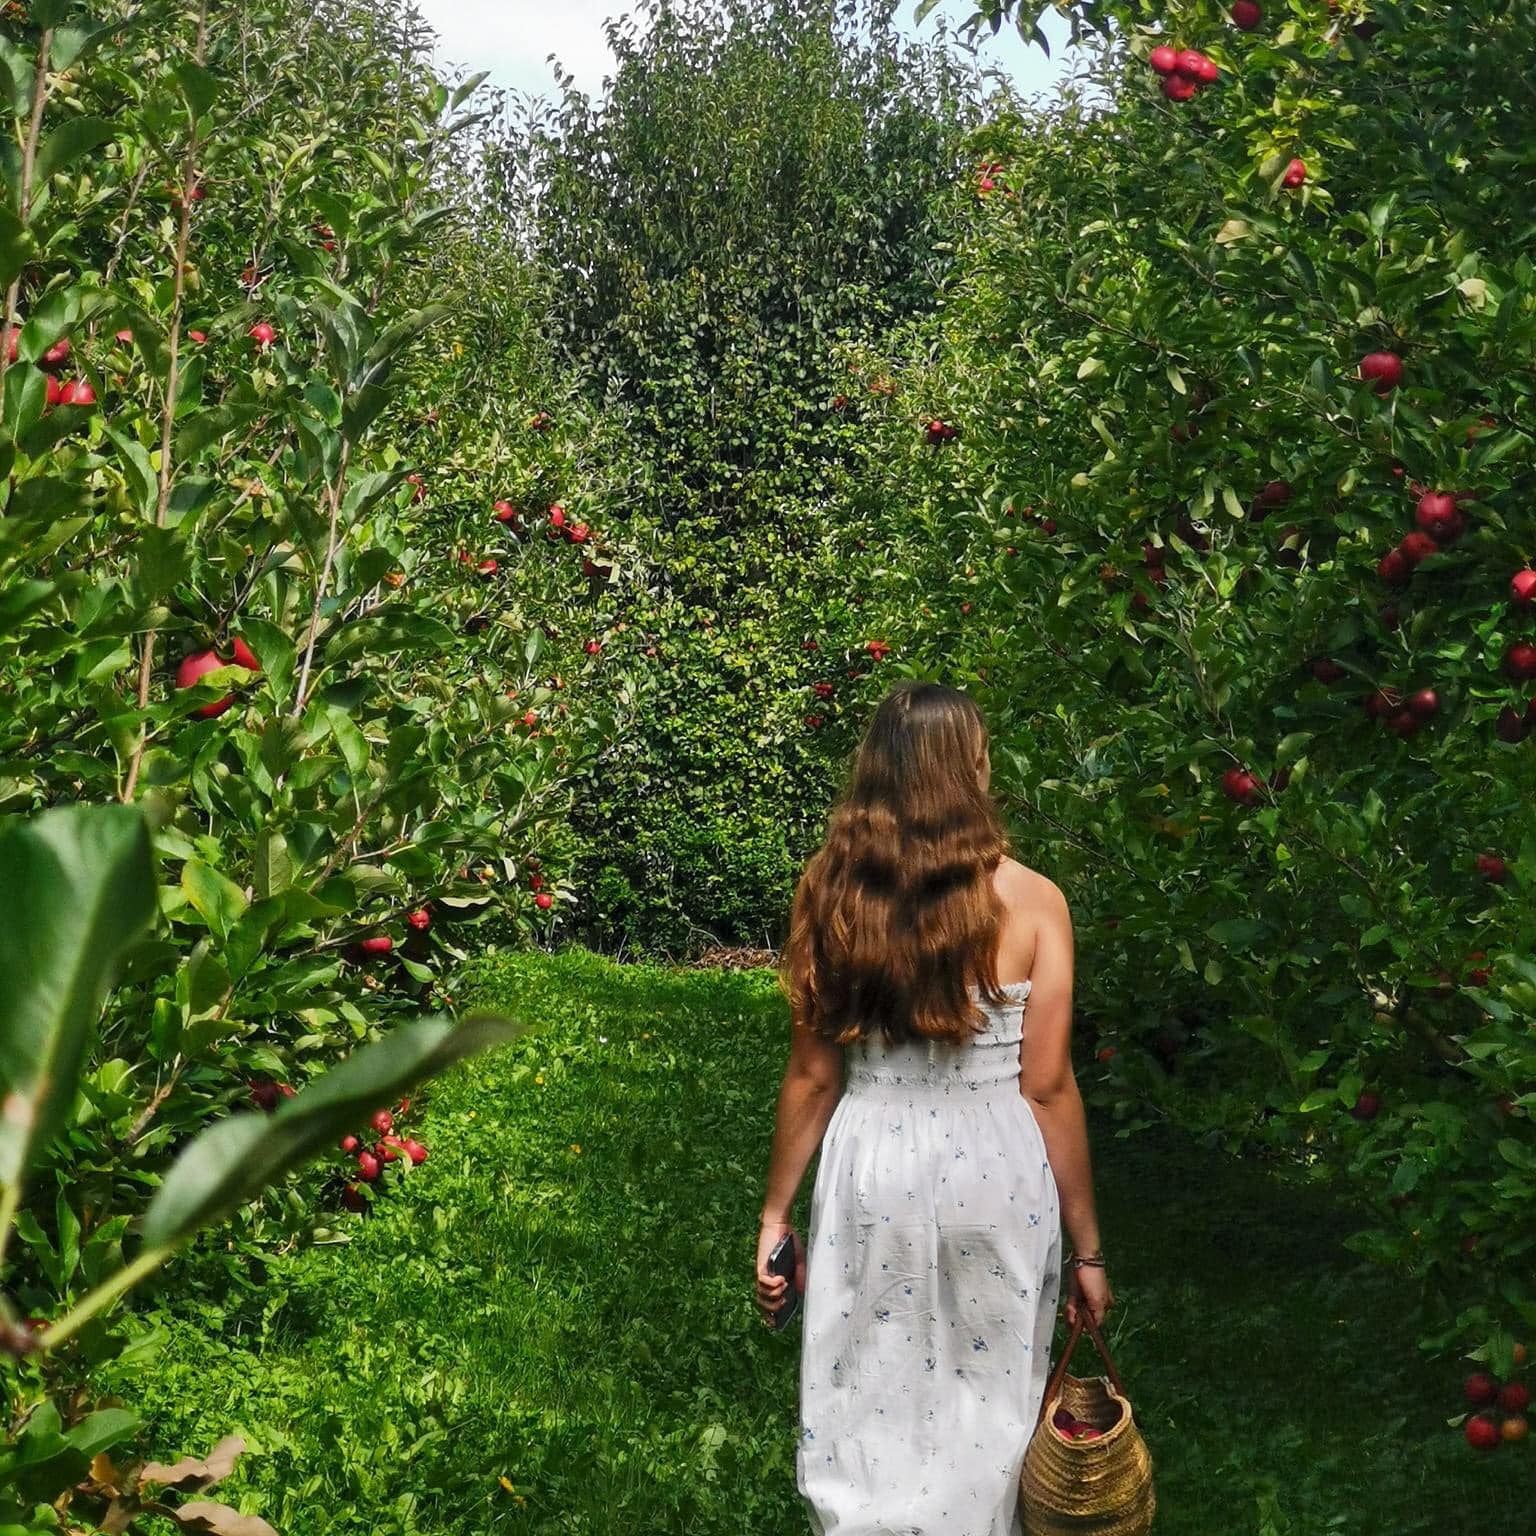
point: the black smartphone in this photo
(782, 1262)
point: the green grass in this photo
(581, 1323)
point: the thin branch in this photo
(28, 169)
(333, 492)
(172, 387)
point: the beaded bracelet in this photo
(1081, 1260)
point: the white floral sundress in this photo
(933, 1270)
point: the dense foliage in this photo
(752, 205)
(456, 525)
(1247, 609)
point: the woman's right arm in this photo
(1046, 1077)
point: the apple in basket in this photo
(1073, 1428)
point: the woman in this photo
(951, 1154)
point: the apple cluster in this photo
(1184, 70)
(1440, 524)
(941, 432)
(372, 1159)
(1070, 1427)
(72, 391)
(1499, 1409)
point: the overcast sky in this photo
(512, 38)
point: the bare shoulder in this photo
(1030, 894)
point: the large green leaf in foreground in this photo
(236, 1157)
(77, 887)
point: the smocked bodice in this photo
(986, 1064)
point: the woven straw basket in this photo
(1097, 1487)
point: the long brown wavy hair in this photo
(894, 917)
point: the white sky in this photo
(512, 38)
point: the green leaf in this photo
(467, 87)
(216, 898)
(235, 1158)
(68, 143)
(77, 887)
(197, 85)
(17, 75)
(273, 872)
(351, 741)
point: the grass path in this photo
(561, 1298)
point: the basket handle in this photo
(1059, 1375)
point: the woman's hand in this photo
(1090, 1288)
(771, 1288)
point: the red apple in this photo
(1404, 723)
(1514, 1397)
(354, 1199)
(198, 336)
(1436, 514)
(1512, 726)
(54, 391)
(1326, 670)
(1522, 587)
(1394, 568)
(504, 512)
(1246, 14)
(368, 1167)
(1515, 1427)
(1417, 546)
(557, 516)
(580, 533)
(1048, 525)
(1480, 1388)
(1196, 66)
(1491, 867)
(1425, 703)
(349, 1143)
(593, 647)
(1383, 702)
(377, 944)
(382, 1121)
(1482, 1432)
(1295, 173)
(1240, 785)
(245, 656)
(1164, 60)
(77, 392)
(385, 1152)
(1384, 369)
(544, 901)
(197, 665)
(1520, 660)
(415, 1151)
(486, 568)
(1179, 88)
(57, 354)
(263, 334)
(264, 1094)
(420, 919)
(1367, 1106)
